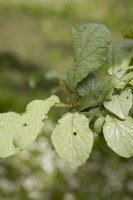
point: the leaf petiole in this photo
(62, 105)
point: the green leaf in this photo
(73, 139)
(90, 43)
(95, 112)
(131, 111)
(94, 90)
(120, 104)
(89, 89)
(17, 131)
(98, 125)
(119, 135)
(119, 56)
(131, 82)
(121, 73)
(127, 77)
(125, 80)
(90, 85)
(127, 31)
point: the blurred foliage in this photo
(34, 39)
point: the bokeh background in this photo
(35, 47)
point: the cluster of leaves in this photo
(99, 95)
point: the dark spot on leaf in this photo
(43, 120)
(127, 97)
(21, 113)
(74, 133)
(24, 124)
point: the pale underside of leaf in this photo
(90, 43)
(73, 139)
(127, 77)
(17, 131)
(121, 73)
(120, 105)
(119, 135)
(125, 80)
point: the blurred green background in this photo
(35, 46)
